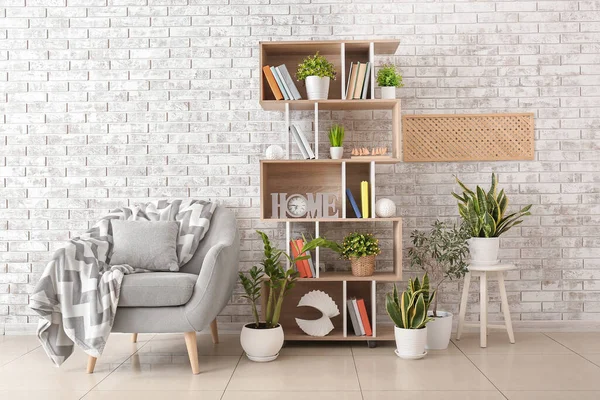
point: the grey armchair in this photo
(186, 301)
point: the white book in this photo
(360, 324)
(281, 83)
(311, 154)
(348, 80)
(366, 83)
(287, 79)
(353, 317)
(298, 141)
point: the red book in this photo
(364, 317)
(305, 264)
(299, 264)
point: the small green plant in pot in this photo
(361, 249)
(486, 218)
(336, 138)
(408, 311)
(389, 79)
(442, 253)
(316, 72)
(262, 340)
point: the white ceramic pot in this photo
(336, 152)
(388, 92)
(439, 331)
(410, 343)
(484, 251)
(317, 88)
(261, 345)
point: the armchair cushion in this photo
(157, 289)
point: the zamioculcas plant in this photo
(409, 310)
(484, 212)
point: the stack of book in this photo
(358, 80)
(364, 200)
(359, 317)
(281, 83)
(306, 268)
(302, 143)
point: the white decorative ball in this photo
(385, 208)
(274, 152)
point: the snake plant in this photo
(484, 212)
(409, 310)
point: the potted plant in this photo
(360, 249)
(409, 314)
(388, 79)
(262, 340)
(316, 72)
(336, 138)
(484, 214)
(442, 254)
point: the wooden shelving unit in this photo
(330, 176)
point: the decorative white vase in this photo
(410, 343)
(261, 345)
(336, 152)
(385, 208)
(439, 331)
(388, 92)
(484, 251)
(317, 88)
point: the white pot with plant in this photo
(361, 249)
(484, 214)
(409, 314)
(388, 79)
(262, 340)
(336, 139)
(316, 72)
(442, 254)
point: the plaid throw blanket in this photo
(78, 292)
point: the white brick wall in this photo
(111, 102)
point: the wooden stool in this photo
(482, 272)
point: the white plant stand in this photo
(482, 272)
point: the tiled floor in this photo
(539, 366)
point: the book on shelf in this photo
(353, 203)
(348, 80)
(298, 141)
(364, 197)
(360, 80)
(364, 317)
(353, 318)
(311, 264)
(367, 80)
(272, 82)
(280, 83)
(361, 328)
(289, 82)
(352, 83)
(305, 143)
(295, 253)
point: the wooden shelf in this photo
(382, 46)
(339, 276)
(326, 220)
(384, 333)
(330, 161)
(331, 104)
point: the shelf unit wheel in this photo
(372, 344)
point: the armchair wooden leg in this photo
(134, 338)
(192, 348)
(214, 332)
(91, 364)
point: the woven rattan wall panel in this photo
(468, 137)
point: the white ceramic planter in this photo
(336, 152)
(317, 88)
(261, 345)
(484, 251)
(439, 331)
(410, 343)
(388, 92)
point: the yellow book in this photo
(364, 196)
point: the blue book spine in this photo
(354, 205)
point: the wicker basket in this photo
(363, 266)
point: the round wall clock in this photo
(296, 205)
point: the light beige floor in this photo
(539, 366)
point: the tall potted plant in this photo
(388, 79)
(262, 340)
(409, 314)
(442, 254)
(484, 214)
(316, 71)
(336, 139)
(360, 249)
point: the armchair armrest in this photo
(215, 283)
